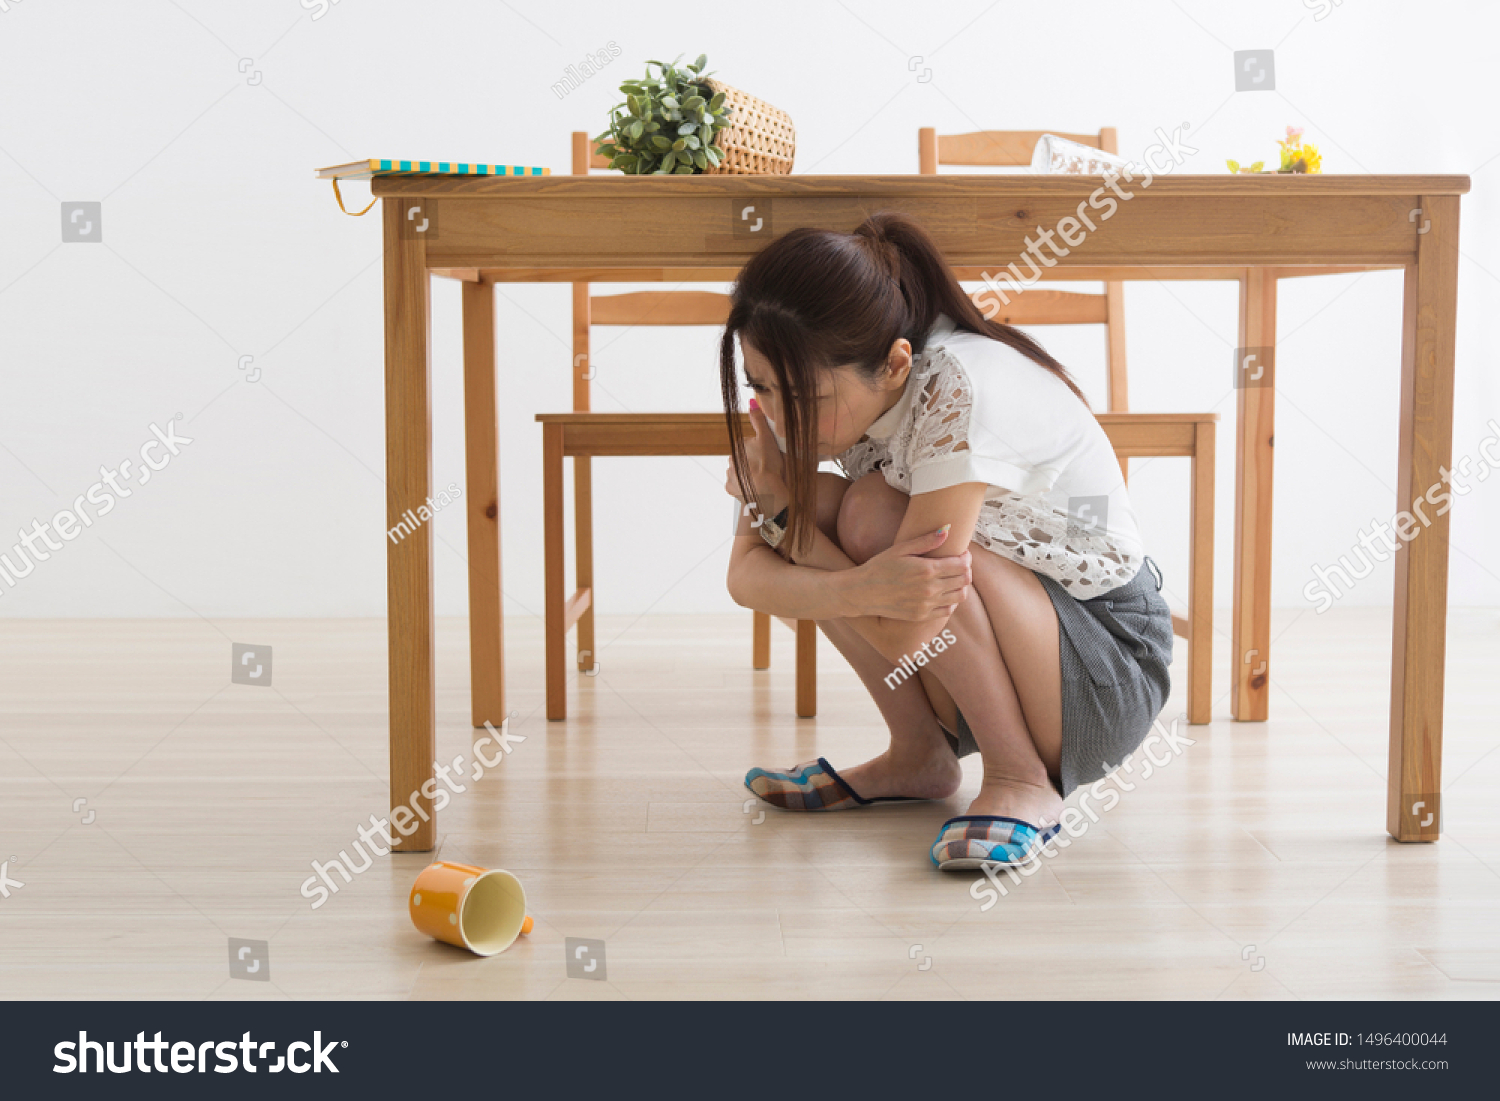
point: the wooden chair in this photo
(1010, 149)
(639, 308)
(582, 435)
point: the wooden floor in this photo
(1255, 865)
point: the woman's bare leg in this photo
(1004, 672)
(918, 761)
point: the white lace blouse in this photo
(977, 410)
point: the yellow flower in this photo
(1296, 156)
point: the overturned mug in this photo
(474, 908)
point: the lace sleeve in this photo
(940, 426)
(860, 459)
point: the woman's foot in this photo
(929, 772)
(1038, 804)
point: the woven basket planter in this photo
(759, 140)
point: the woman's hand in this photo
(765, 466)
(900, 584)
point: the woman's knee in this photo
(869, 517)
(831, 489)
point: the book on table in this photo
(367, 169)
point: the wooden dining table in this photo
(1252, 229)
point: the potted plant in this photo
(680, 121)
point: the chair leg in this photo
(1118, 400)
(552, 551)
(583, 538)
(1114, 305)
(807, 668)
(761, 643)
(1201, 579)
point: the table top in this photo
(706, 221)
(995, 185)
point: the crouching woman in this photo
(976, 560)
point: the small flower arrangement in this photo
(1297, 156)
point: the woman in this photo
(977, 562)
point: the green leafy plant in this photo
(667, 124)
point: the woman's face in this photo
(846, 403)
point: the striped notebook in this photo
(364, 170)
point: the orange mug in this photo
(474, 908)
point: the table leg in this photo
(482, 471)
(1414, 778)
(408, 477)
(1255, 437)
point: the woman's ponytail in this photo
(930, 289)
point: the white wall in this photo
(218, 243)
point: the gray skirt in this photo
(1115, 650)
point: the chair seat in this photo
(643, 433)
(1132, 435)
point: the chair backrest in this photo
(995, 148)
(1010, 149)
(635, 308)
(584, 157)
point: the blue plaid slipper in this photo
(973, 840)
(813, 786)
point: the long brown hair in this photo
(814, 299)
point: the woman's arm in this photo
(894, 631)
(892, 598)
(759, 578)
(900, 584)
(958, 508)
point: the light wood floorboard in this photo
(628, 823)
